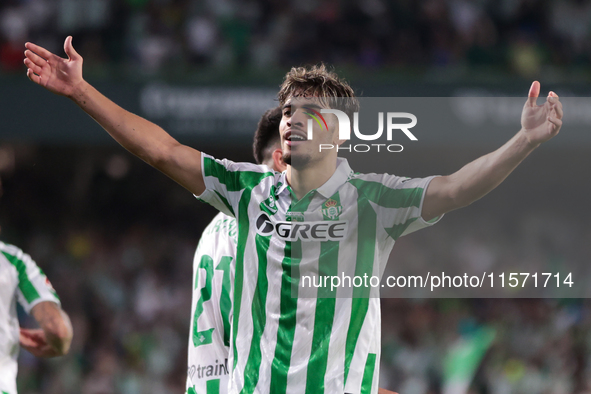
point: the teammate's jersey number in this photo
(204, 337)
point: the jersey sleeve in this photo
(398, 202)
(225, 181)
(33, 285)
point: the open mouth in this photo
(296, 137)
(293, 138)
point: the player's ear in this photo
(278, 163)
(336, 135)
(338, 141)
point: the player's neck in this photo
(302, 180)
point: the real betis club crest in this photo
(332, 209)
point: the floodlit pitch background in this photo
(116, 237)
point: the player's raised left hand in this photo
(541, 122)
(58, 75)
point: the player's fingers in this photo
(552, 98)
(33, 77)
(534, 92)
(25, 331)
(558, 109)
(555, 121)
(32, 56)
(44, 53)
(32, 335)
(26, 341)
(36, 69)
(69, 49)
(559, 112)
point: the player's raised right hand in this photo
(58, 75)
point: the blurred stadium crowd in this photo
(150, 35)
(117, 241)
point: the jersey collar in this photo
(342, 173)
(340, 176)
(283, 182)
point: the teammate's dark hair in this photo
(267, 133)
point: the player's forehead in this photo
(315, 102)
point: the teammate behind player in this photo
(213, 277)
(280, 343)
(23, 281)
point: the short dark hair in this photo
(319, 81)
(267, 133)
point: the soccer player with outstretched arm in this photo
(281, 343)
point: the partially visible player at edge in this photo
(22, 281)
(209, 338)
(282, 344)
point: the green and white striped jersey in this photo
(209, 338)
(304, 342)
(23, 281)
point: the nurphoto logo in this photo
(345, 129)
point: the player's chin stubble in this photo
(286, 158)
(301, 161)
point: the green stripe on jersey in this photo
(288, 306)
(387, 197)
(24, 284)
(226, 203)
(243, 223)
(288, 312)
(325, 309)
(367, 381)
(397, 230)
(233, 180)
(259, 319)
(203, 337)
(366, 238)
(225, 302)
(213, 386)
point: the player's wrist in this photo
(79, 91)
(524, 140)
